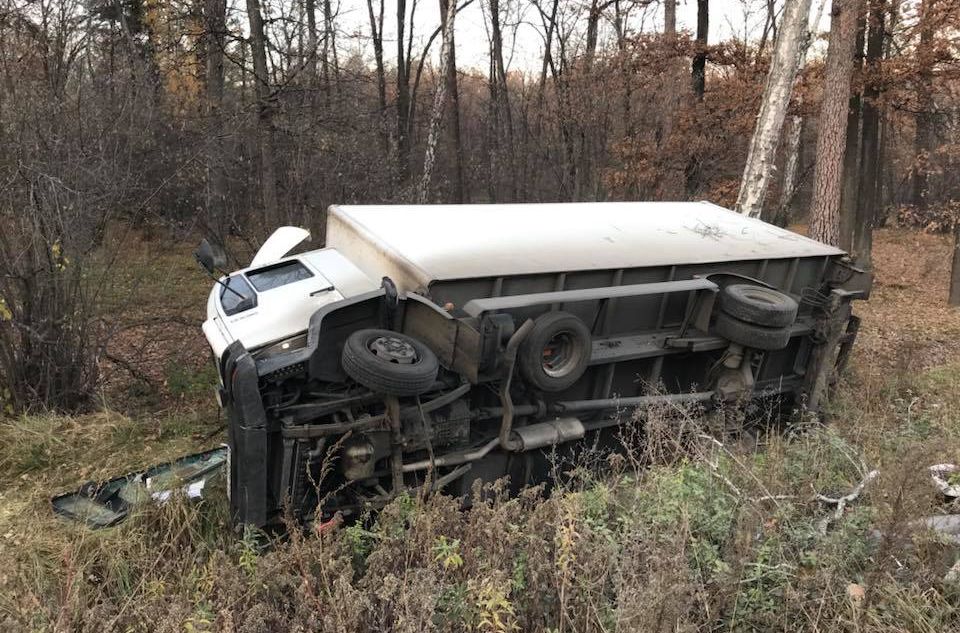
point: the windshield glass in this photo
(278, 275)
(233, 300)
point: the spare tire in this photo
(556, 352)
(750, 334)
(389, 362)
(758, 305)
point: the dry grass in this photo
(685, 535)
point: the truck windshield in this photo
(278, 275)
(237, 296)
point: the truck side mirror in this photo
(210, 257)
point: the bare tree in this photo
(868, 198)
(828, 172)
(403, 93)
(453, 107)
(214, 36)
(670, 17)
(449, 14)
(258, 51)
(924, 117)
(376, 35)
(851, 155)
(698, 72)
(773, 108)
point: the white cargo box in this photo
(416, 245)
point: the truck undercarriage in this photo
(433, 391)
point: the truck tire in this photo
(556, 352)
(758, 305)
(751, 334)
(389, 362)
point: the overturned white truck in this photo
(437, 345)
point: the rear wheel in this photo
(556, 352)
(389, 362)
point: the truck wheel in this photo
(389, 363)
(758, 305)
(556, 352)
(750, 334)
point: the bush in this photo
(49, 334)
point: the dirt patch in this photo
(907, 324)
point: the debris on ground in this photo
(103, 504)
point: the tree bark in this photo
(698, 70)
(954, 298)
(261, 79)
(773, 108)
(791, 168)
(376, 34)
(453, 109)
(924, 117)
(828, 170)
(669, 17)
(449, 13)
(215, 17)
(501, 118)
(312, 45)
(869, 188)
(403, 96)
(851, 153)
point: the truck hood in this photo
(283, 240)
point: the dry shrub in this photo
(704, 533)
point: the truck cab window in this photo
(278, 275)
(242, 299)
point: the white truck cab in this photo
(267, 306)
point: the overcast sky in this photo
(522, 26)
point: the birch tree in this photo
(439, 99)
(773, 108)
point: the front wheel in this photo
(390, 363)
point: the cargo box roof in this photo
(443, 242)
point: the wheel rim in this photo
(394, 350)
(560, 355)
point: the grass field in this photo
(685, 534)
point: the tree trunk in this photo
(669, 17)
(312, 44)
(954, 298)
(851, 153)
(453, 109)
(593, 29)
(376, 34)
(403, 97)
(449, 13)
(923, 119)
(501, 117)
(215, 15)
(331, 64)
(773, 109)
(828, 170)
(869, 188)
(258, 51)
(698, 71)
(791, 169)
